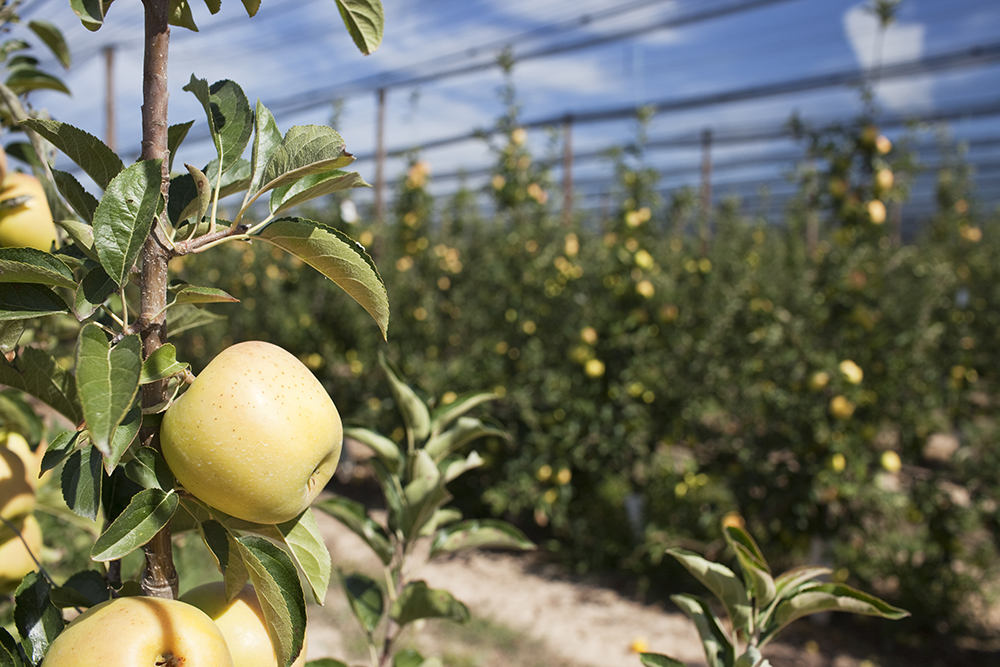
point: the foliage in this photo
(759, 605)
(413, 476)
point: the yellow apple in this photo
(16, 443)
(134, 631)
(876, 211)
(17, 493)
(242, 623)
(15, 559)
(28, 223)
(255, 436)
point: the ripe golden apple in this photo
(255, 436)
(16, 443)
(132, 631)
(17, 493)
(876, 211)
(15, 559)
(241, 622)
(28, 223)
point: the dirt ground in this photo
(558, 619)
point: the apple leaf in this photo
(184, 193)
(148, 512)
(312, 186)
(35, 372)
(418, 601)
(203, 191)
(213, 6)
(91, 12)
(10, 335)
(61, 447)
(756, 572)
(185, 293)
(366, 600)
(352, 515)
(721, 581)
(123, 437)
(94, 290)
(108, 380)
(124, 217)
(414, 411)
(175, 137)
(226, 552)
(53, 39)
(719, 651)
(329, 662)
(149, 470)
(18, 415)
(465, 431)
(161, 364)
(82, 476)
(187, 316)
(479, 534)
(11, 653)
(26, 78)
(790, 581)
(87, 151)
(28, 265)
(25, 301)
(659, 660)
(365, 21)
(455, 466)
(230, 119)
(384, 448)
(751, 658)
(180, 15)
(445, 415)
(251, 6)
(38, 621)
(74, 193)
(337, 257)
(306, 545)
(277, 584)
(83, 589)
(266, 140)
(82, 235)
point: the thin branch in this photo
(208, 240)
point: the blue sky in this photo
(293, 50)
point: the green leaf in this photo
(751, 658)
(325, 662)
(24, 301)
(184, 193)
(107, 379)
(81, 482)
(125, 215)
(83, 589)
(352, 515)
(228, 558)
(149, 511)
(465, 431)
(721, 581)
(266, 140)
(308, 549)
(756, 572)
(365, 21)
(418, 601)
(53, 39)
(28, 265)
(203, 190)
(445, 415)
(384, 448)
(788, 582)
(123, 437)
(479, 534)
(61, 447)
(828, 597)
(35, 372)
(175, 137)
(719, 651)
(185, 293)
(414, 411)
(277, 583)
(454, 466)
(441, 518)
(180, 15)
(26, 79)
(76, 195)
(657, 660)
(161, 364)
(337, 257)
(87, 151)
(230, 119)
(10, 335)
(11, 653)
(18, 415)
(312, 186)
(213, 6)
(366, 600)
(38, 621)
(186, 316)
(407, 657)
(149, 470)
(251, 6)
(91, 12)
(82, 235)
(95, 288)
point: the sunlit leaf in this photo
(251, 6)
(180, 15)
(91, 12)
(415, 414)
(312, 186)
(187, 316)
(277, 584)
(38, 621)
(228, 557)
(10, 335)
(229, 117)
(756, 572)
(365, 21)
(82, 476)
(147, 514)
(384, 448)
(185, 293)
(445, 415)
(657, 660)
(25, 301)
(149, 470)
(454, 466)
(719, 651)
(366, 600)
(28, 265)
(82, 235)
(463, 432)
(107, 380)
(161, 364)
(479, 534)
(124, 217)
(306, 544)
(352, 515)
(53, 39)
(58, 450)
(95, 289)
(87, 151)
(721, 581)
(418, 601)
(125, 434)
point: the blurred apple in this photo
(25, 218)
(17, 493)
(15, 559)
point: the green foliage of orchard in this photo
(839, 394)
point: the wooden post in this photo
(706, 186)
(568, 171)
(109, 96)
(380, 157)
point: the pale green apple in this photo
(15, 559)
(140, 632)
(17, 490)
(255, 436)
(242, 623)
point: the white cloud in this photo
(901, 42)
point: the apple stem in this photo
(160, 576)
